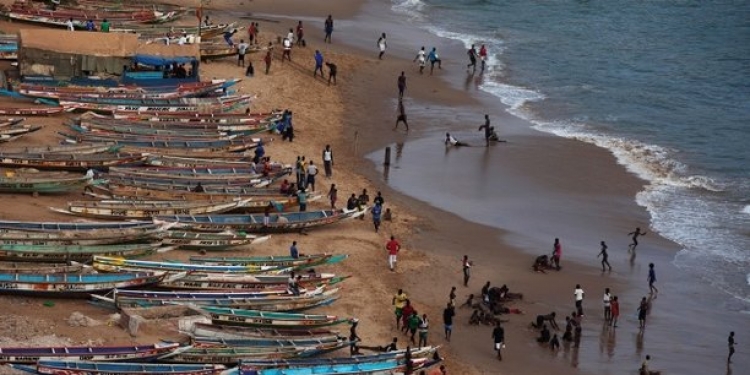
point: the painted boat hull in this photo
(73, 284)
(295, 221)
(120, 354)
(63, 253)
(111, 368)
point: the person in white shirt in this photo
(328, 161)
(182, 40)
(422, 58)
(69, 24)
(290, 36)
(287, 54)
(241, 51)
(382, 45)
(312, 171)
(606, 300)
(452, 141)
(579, 299)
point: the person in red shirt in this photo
(393, 248)
(483, 56)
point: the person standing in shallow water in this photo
(604, 256)
(579, 299)
(328, 29)
(487, 130)
(401, 85)
(652, 279)
(401, 115)
(637, 232)
(556, 253)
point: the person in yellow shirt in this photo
(399, 301)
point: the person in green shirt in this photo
(302, 199)
(105, 26)
(413, 322)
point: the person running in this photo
(731, 343)
(487, 130)
(652, 279)
(398, 302)
(472, 52)
(434, 59)
(637, 232)
(424, 327)
(382, 45)
(556, 253)
(448, 315)
(328, 27)
(406, 313)
(241, 51)
(401, 115)
(614, 311)
(393, 248)
(579, 294)
(483, 56)
(607, 302)
(331, 72)
(401, 85)
(498, 336)
(318, 65)
(604, 256)
(642, 311)
(422, 58)
(300, 35)
(466, 266)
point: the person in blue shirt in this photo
(259, 153)
(434, 59)
(376, 212)
(652, 279)
(293, 252)
(318, 64)
(228, 37)
(90, 25)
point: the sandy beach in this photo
(539, 187)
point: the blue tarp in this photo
(161, 61)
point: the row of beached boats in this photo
(13, 128)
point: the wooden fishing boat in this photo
(184, 87)
(66, 253)
(400, 355)
(263, 319)
(110, 264)
(192, 172)
(192, 354)
(143, 209)
(187, 117)
(161, 102)
(67, 283)
(210, 295)
(86, 353)
(40, 111)
(44, 268)
(386, 367)
(68, 226)
(225, 105)
(186, 152)
(279, 222)
(246, 175)
(166, 161)
(208, 185)
(63, 149)
(234, 332)
(302, 261)
(279, 303)
(81, 238)
(97, 93)
(69, 162)
(184, 193)
(28, 183)
(112, 368)
(191, 132)
(8, 122)
(195, 146)
(255, 283)
(199, 341)
(209, 241)
(215, 53)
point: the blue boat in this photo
(307, 362)
(107, 263)
(279, 222)
(265, 342)
(100, 368)
(386, 367)
(73, 283)
(65, 226)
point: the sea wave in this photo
(410, 8)
(746, 210)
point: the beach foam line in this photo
(746, 210)
(410, 8)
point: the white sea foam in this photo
(746, 210)
(410, 8)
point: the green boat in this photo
(234, 355)
(303, 261)
(264, 319)
(43, 184)
(65, 253)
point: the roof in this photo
(79, 42)
(172, 50)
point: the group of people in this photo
(104, 26)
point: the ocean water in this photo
(663, 85)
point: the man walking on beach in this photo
(382, 45)
(652, 279)
(241, 51)
(434, 59)
(376, 211)
(328, 161)
(448, 315)
(578, 293)
(498, 336)
(604, 256)
(318, 65)
(401, 117)
(398, 302)
(637, 232)
(487, 130)
(393, 248)
(312, 171)
(331, 73)
(401, 85)
(642, 311)
(466, 265)
(472, 52)
(422, 58)
(268, 58)
(328, 29)
(731, 343)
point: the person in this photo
(241, 51)
(228, 37)
(267, 214)
(293, 252)
(302, 200)
(398, 302)
(267, 60)
(259, 153)
(206, 22)
(104, 27)
(199, 188)
(352, 202)
(434, 59)
(414, 322)
(483, 56)
(318, 65)
(642, 311)
(498, 335)
(487, 130)
(90, 25)
(401, 115)
(452, 296)
(486, 292)
(382, 45)
(251, 33)
(362, 201)
(328, 161)
(579, 299)
(377, 210)
(300, 35)
(257, 34)
(69, 24)
(614, 311)
(637, 232)
(568, 335)
(290, 36)
(393, 248)
(576, 320)
(604, 256)
(250, 71)
(312, 171)
(293, 285)
(448, 313)
(541, 263)
(652, 279)
(406, 313)
(332, 195)
(287, 54)
(544, 335)
(472, 52)
(288, 132)
(731, 343)
(466, 266)
(540, 319)
(424, 326)
(645, 368)
(554, 344)
(354, 338)
(182, 40)
(332, 69)
(391, 347)
(379, 199)
(401, 85)
(422, 58)
(607, 302)
(388, 215)
(328, 29)
(452, 141)
(556, 253)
